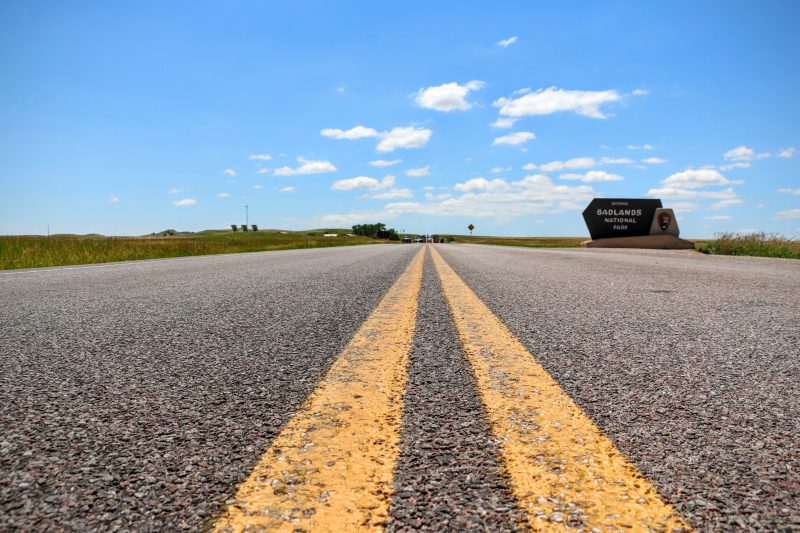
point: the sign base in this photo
(650, 242)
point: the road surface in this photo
(441, 387)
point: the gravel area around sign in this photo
(135, 396)
(447, 477)
(690, 363)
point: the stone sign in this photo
(621, 217)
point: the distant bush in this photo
(754, 244)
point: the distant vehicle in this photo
(420, 239)
(406, 240)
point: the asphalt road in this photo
(136, 396)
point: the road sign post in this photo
(470, 228)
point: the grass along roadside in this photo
(531, 242)
(60, 250)
(757, 244)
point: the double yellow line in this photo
(331, 467)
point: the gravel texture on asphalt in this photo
(135, 396)
(447, 476)
(689, 363)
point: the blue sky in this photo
(133, 117)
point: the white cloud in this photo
(482, 184)
(593, 176)
(720, 217)
(185, 202)
(787, 152)
(553, 100)
(535, 194)
(418, 172)
(641, 147)
(385, 163)
(263, 171)
(695, 179)
(230, 172)
(795, 192)
(577, 163)
(448, 97)
(685, 207)
(358, 132)
(505, 43)
(175, 190)
(503, 123)
(616, 161)
(789, 213)
(739, 164)
(288, 189)
(761, 206)
(443, 196)
(404, 137)
(727, 202)
(260, 157)
(640, 92)
(678, 192)
(113, 199)
(224, 194)
(654, 161)
(364, 183)
(306, 167)
(518, 137)
(391, 194)
(258, 186)
(744, 154)
(498, 170)
(556, 166)
(740, 153)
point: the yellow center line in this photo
(330, 468)
(564, 472)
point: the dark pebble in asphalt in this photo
(447, 477)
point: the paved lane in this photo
(136, 396)
(359, 387)
(691, 364)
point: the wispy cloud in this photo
(229, 172)
(789, 213)
(185, 202)
(260, 157)
(795, 192)
(306, 167)
(654, 161)
(288, 189)
(505, 43)
(420, 172)
(554, 100)
(358, 132)
(385, 163)
(518, 137)
(593, 176)
(223, 194)
(787, 152)
(113, 199)
(364, 183)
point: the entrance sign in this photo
(620, 217)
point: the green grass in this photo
(756, 244)
(58, 250)
(531, 242)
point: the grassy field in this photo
(754, 244)
(57, 250)
(531, 242)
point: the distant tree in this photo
(376, 231)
